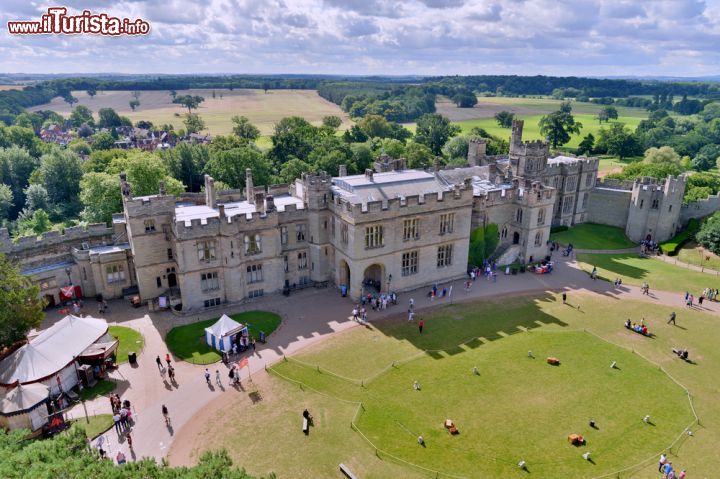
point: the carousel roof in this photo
(22, 398)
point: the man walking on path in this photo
(217, 378)
(116, 420)
(564, 296)
(672, 318)
(421, 323)
(167, 359)
(207, 376)
(159, 362)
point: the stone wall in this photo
(699, 209)
(609, 206)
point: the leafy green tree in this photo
(696, 193)
(244, 130)
(81, 115)
(483, 243)
(80, 147)
(134, 104)
(22, 138)
(193, 123)
(293, 137)
(618, 140)
(20, 311)
(586, 145)
(607, 113)
(36, 198)
(186, 162)
(100, 196)
(16, 165)
(330, 162)
(434, 130)
(418, 155)
(711, 111)
(392, 147)
(504, 118)
(332, 121)
(145, 171)
(29, 120)
(457, 149)
(61, 172)
(108, 118)
(558, 127)
(103, 141)
(706, 158)
(293, 169)
(229, 166)
(465, 99)
(191, 102)
(100, 159)
(362, 156)
(375, 126)
(6, 201)
(91, 91)
(665, 154)
(566, 107)
(709, 234)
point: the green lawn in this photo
(188, 342)
(102, 388)
(592, 236)
(692, 253)
(633, 269)
(98, 425)
(130, 340)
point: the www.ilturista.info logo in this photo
(58, 22)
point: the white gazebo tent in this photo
(220, 334)
(22, 406)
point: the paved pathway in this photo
(309, 316)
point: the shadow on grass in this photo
(454, 328)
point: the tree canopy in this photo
(20, 308)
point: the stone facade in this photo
(390, 229)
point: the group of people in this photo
(667, 469)
(359, 313)
(682, 353)
(170, 369)
(708, 293)
(638, 328)
(567, 251)
(122, 414)
(378, 302)
(436, 292)
(488, 269)
(648, 247)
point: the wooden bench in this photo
(306, 426)
(345, 470)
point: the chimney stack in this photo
(260, 201)
(269, 204)
(249, 186)
(161, 185)
(221, 210)
(343, 170)
(210, 198)
(369, 174)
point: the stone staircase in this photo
(508, 256)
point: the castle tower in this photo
(318, 198)
(527, 158)
(655, 208)
(477, 149)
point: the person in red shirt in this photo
(421, 323)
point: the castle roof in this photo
(189, 212)
(359, 189)
(560, 159)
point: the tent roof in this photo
(225, 326)
(52, 349)
(22, 398)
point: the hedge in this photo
(672, 246)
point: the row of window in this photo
(252, 243)
(375, 234)
(409, 260)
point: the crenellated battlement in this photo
(76, 234)
(458, 197)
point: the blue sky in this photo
(426, 37)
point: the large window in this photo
(149, 226)
(302, 260)
(588, 179)
(568, 204)
(209, 281)
(283, 235)
(409, 263)
(253, 243)
(300, 231)
(538, 238)
(411, 229)
(585, 200)
(344, 233)
(519, 215)
(254, 273)
(446, 223)
(209, 303)
(541, 217)
(570, 183)
(115, 273)
(374, 236)
(444, 255)
(206, 250)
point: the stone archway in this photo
(516, 238)
(373, 277)
(344, 274)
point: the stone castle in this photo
(389, 229)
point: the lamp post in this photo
(389, 281)
(68, 271)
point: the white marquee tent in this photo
(50, 357)
(22, 406)
(220, 334)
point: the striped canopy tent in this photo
(21, 406)
(220, 334)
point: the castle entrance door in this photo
(372, 278)
(172, 280)
(516, 238)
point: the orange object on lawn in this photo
(553, 361)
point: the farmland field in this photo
(263, 109)
(11, 87)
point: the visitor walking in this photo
(167, 359)
(355, 314)
(661, 462)
(159, 362)
(166, 415)
(564, 296)
(253, 343)
(672, 318)
(129, 441)
(171, 373)
(207, 376)
(411, 315)
(421, 324)
(116, 420)
(217, 378)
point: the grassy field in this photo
(633, 269)
(547, 403)
(130, 341)
(102, 388)
(263, 109)
(592, 236)
(98, 425)
(695, 254)
(188, 342)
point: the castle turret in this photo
(249, 195)
(210, 197)
(477, 149)
(527, 158)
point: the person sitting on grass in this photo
(628, 324)
(681, 353)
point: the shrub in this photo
(558, 229)
(672, 246)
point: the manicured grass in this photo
(130, 341)
(693, 253)
(633, 269)
(98, 425)
(102, 388)
(592, 236)
(188, 342)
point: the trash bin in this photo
(522, 268)
(132, 358)
(262, 336)
(343, 290)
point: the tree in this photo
(145, 171)
(36, 198)
(243, 129)
(6, 201)
(108, 118)
(193, 123)
(709, 234)
(433, 130)
(586, 145)
(134, 104)
(100, 196)
(229, 166)
(20, 309)
(80, 147)
(69, 99)
(618, 141)
(566, 107)
(418, 155)
(332, 121)
(91, 91)
(191, 102)
(558, 127)
(706, 158)
(607, 113)
(61, 172)
(504, 118)
(186, 162)
(103, 141)
(17, 165)
(375, 126)
(392, 147)
(293, 169)
(81, 115)
(293, 137)
(483, 243)
(665, 154)
(36, 224)
(457, 149)
(362, 156)
(465, 99)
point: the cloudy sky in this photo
(428, 37)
